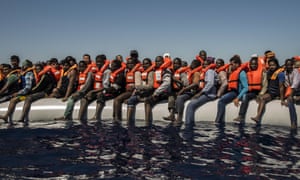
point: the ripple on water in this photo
(161, 152)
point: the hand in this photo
(64, 99)
(284, 103)
(236, 102)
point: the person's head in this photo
(206, 63)
(195, 63)
(203, 54)
(130, 63)
(26, 64)
(269, 54)
(235, 62)
(100, 60)
(54, 62)
(6, 69)
(159, 60)
(71, 60)
(289, 65)
(273, 64)
(219, 63)
(177, 63)
(115, 65)
(146, 63)
(39, 67)
(65, 64)
(14, 61)
(119, 58)
(82, 66)
(86, 58)
(253, 63)
(166, 55)
(184, 64)
(134, 54)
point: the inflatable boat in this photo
(45, 110)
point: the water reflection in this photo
(161, 152)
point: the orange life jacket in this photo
(167, 63)
(191, 72)
(99, 75)
(145, 72)
(82, 79)
(92, 67)
(233, 80)
(55, 72)
(202, 75)
(255, 78)
(177, 76)
(223, 68)
(130, 75)
(65, 73)
(200, 59)
(297, 58)
(275, 74)
(113, 75)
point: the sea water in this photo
(206, 151)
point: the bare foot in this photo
(238, 119)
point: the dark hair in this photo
(6, 66)
(236, 59)
(267, 51)
(87, 55)
(65, 61)
(177, 59)
(82, 62)
(101, 57)
(202, 51)
(134, 53)
(196, 62)
(275, 61)
(53, 60)
(40, 65)
(15, 57)
(222, 60)
(147, 59)
(117, 63)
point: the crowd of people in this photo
(147, 81)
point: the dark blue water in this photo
(160, 152)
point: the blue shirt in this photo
(243, 84)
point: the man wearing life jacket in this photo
(91, 66)
(86, 84)
(201, 56)
(133, 66)
(187, 92)
(275, 88)
(41, 90)
(143, 88)
(206, 94)
(292, 84)
(53, 67)
(101, 82)
(11, 82)
(179, 81)
(257, 86)
(28, 81)
(237, 87)
(116, 87)
(67, 83)
(162, 86)
(15, 61)
(221, 70)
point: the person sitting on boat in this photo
(15, 62)
(237, 87)
(133, 66)
(41, 90)
(53, 67)
(91, 66)
(221, 70)
(28, 81)
(116, 87)
(85, 82)
(10, 82)
(207, 93)
(257, 86)
(292, 93)
(275, 88)
(193, 76)
(162, 86)
(143, 88)
(179, 81)
(101, 81)
(67, 83)
(201, 56)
